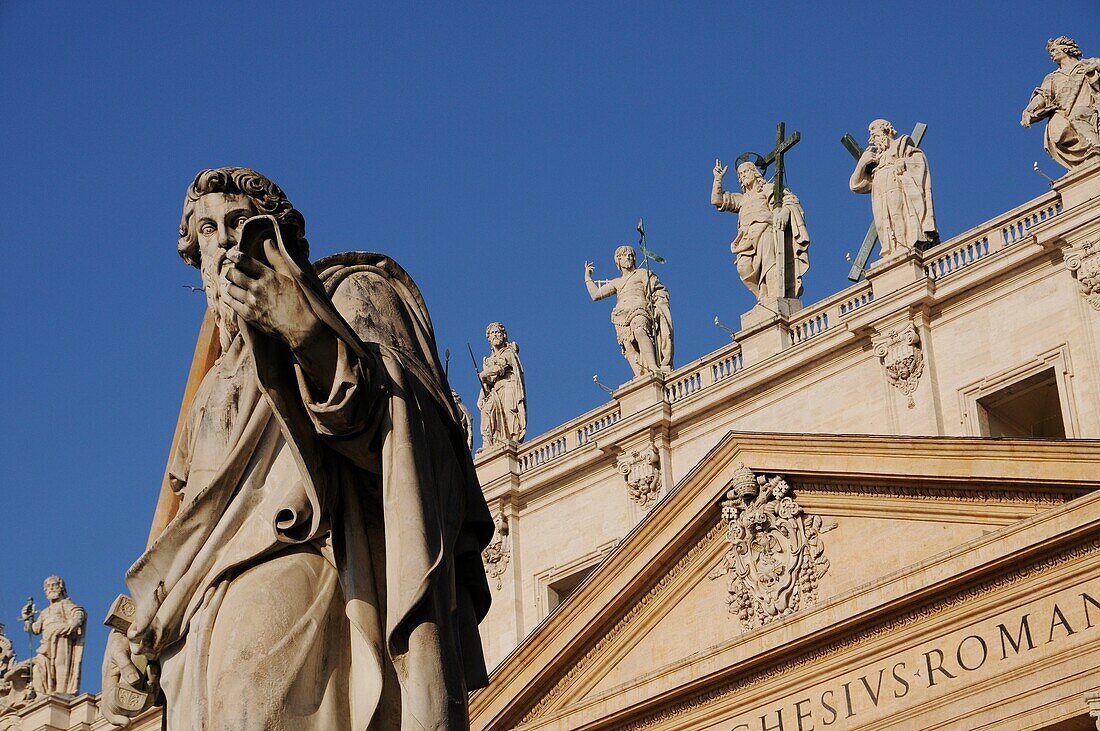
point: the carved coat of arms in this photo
(775, 557)
(641, 468)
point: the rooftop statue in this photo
(642, 317)
(1069, 99)
(503, 397)
(759, 226)
(465, 419)
(323, 570)
(895, 172)
(55, 667)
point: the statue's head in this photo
(1063, 46)
(54, 588)
(749, 176)
(625, 258)
(496, 334)
(881, 133)
(215, 208)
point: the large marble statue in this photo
(55, 668)
(757, 223)
(1069, 99)
(503, 397)
(642, 317)
(895, 172)
(323, 570)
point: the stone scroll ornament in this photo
(776, 557)
(641, 468)
(498, 552)
(1084, 262)
(901, 356)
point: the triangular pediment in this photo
(668, 607)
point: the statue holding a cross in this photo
(894, 170)
(772, 242)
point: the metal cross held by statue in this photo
(869, 240)
(782, 145)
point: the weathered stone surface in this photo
(321, 475)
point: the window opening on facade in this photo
(1027, 408)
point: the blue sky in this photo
(491, 148)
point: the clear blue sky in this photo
(489, 147)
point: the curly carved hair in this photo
(887, 128)
(1067, 44)
(496, 326)
(267, 197)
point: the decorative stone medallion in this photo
(776, 557)
(1084, 262)
(642, 469)
(901, 356)
(497, 553)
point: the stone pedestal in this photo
(1079, 186)
(889, 275)
(765, 329)
(639, 394)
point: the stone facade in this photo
(971, 338)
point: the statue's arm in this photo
(597, 292)
(1041, 105)
(860, 182)
(342, 404)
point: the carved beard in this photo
(214, 284)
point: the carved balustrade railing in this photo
(1002, 232)
(696, 377)
(820, 317)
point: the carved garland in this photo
(1084, 262)
(776, 557)
(925, 611)
(901, 356)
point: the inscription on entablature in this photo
(910, 679)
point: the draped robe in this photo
(324, 569)
(901, 196)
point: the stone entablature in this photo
(989, 301)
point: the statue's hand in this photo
(1025, 120)
(269, 298)
(589, 269)
(120, 673)
(780, 218)
(720, 170)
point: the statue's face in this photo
(746, 177)
(497, 337)
(879, 137)
(625, 260)
(1057, 53)
(218, 220)
(54, 590)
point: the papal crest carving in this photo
(900, 352)
(641, 467)
(1084, 262)
(776, 557)
(497, 553)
